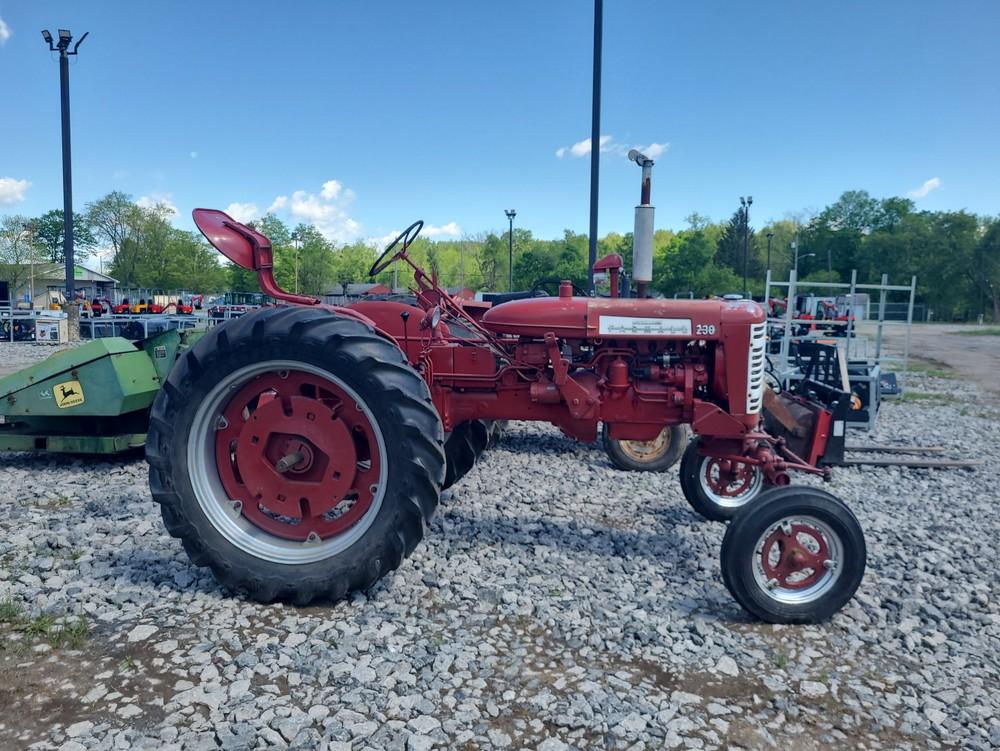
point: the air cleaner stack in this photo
(642, 244)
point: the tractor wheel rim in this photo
(287, 462)
(730, 484)
(647, 451)
(797, 560)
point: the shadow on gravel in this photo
(664, 546)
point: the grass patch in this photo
(71, 634)
(931, 368)
(984, 331)
(10, 610)
(62, 501)
(929, 396)
(60, 631)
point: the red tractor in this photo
(300, 451)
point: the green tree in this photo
(48, 231)
(117, 221)
(492, 260)
(730, 248)
(984, 271)
(16, 253)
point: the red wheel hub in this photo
(728, 478)
(297, 456)
(789, 559)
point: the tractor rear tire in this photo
(465, 444)
(797, 556)
(708, 494)
(354, 426)
(657, 455)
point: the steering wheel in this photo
(408, 235)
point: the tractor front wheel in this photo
(657, 455)
(296, 454)
(797, 556)
(718, 488)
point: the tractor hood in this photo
(626, 318)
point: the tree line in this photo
(955, 255)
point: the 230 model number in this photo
(704, 329)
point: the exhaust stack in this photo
(642, 243)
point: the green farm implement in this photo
(93, 399)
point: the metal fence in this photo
(856, 348)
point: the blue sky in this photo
(364, 116)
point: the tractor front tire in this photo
(657, 455)
(715, 490)
(296, 454)
(465, 444)
(797, 556)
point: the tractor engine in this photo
(633, 364)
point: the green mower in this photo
(93, 399)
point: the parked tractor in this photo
(300, 451)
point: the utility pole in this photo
(745, 204)
(510, 248)
(795, 249)
(769, 236)
(62, 47)
(595, 140)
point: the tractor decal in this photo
(68, 394)
(645, 326)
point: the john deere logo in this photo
(69, 394)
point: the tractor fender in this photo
(386, 316)
(349, 312)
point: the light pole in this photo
(510, 248)
(805, 255)
(296, 243)
(595, 141)
(769, 236)
(745, 203)
(30, 229)
(62, 47)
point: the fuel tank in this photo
(620, 318)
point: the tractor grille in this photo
(755, 367)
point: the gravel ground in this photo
(556, 603)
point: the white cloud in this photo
(328, 211)
(451, 229)
(277, 205)
(164, 201)
(12, 191)
(381, 243)
(5, 32)
(243, 212)
(609, 145)
(582, 148)
(331, 189)
(654, 150)
(933, 184)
